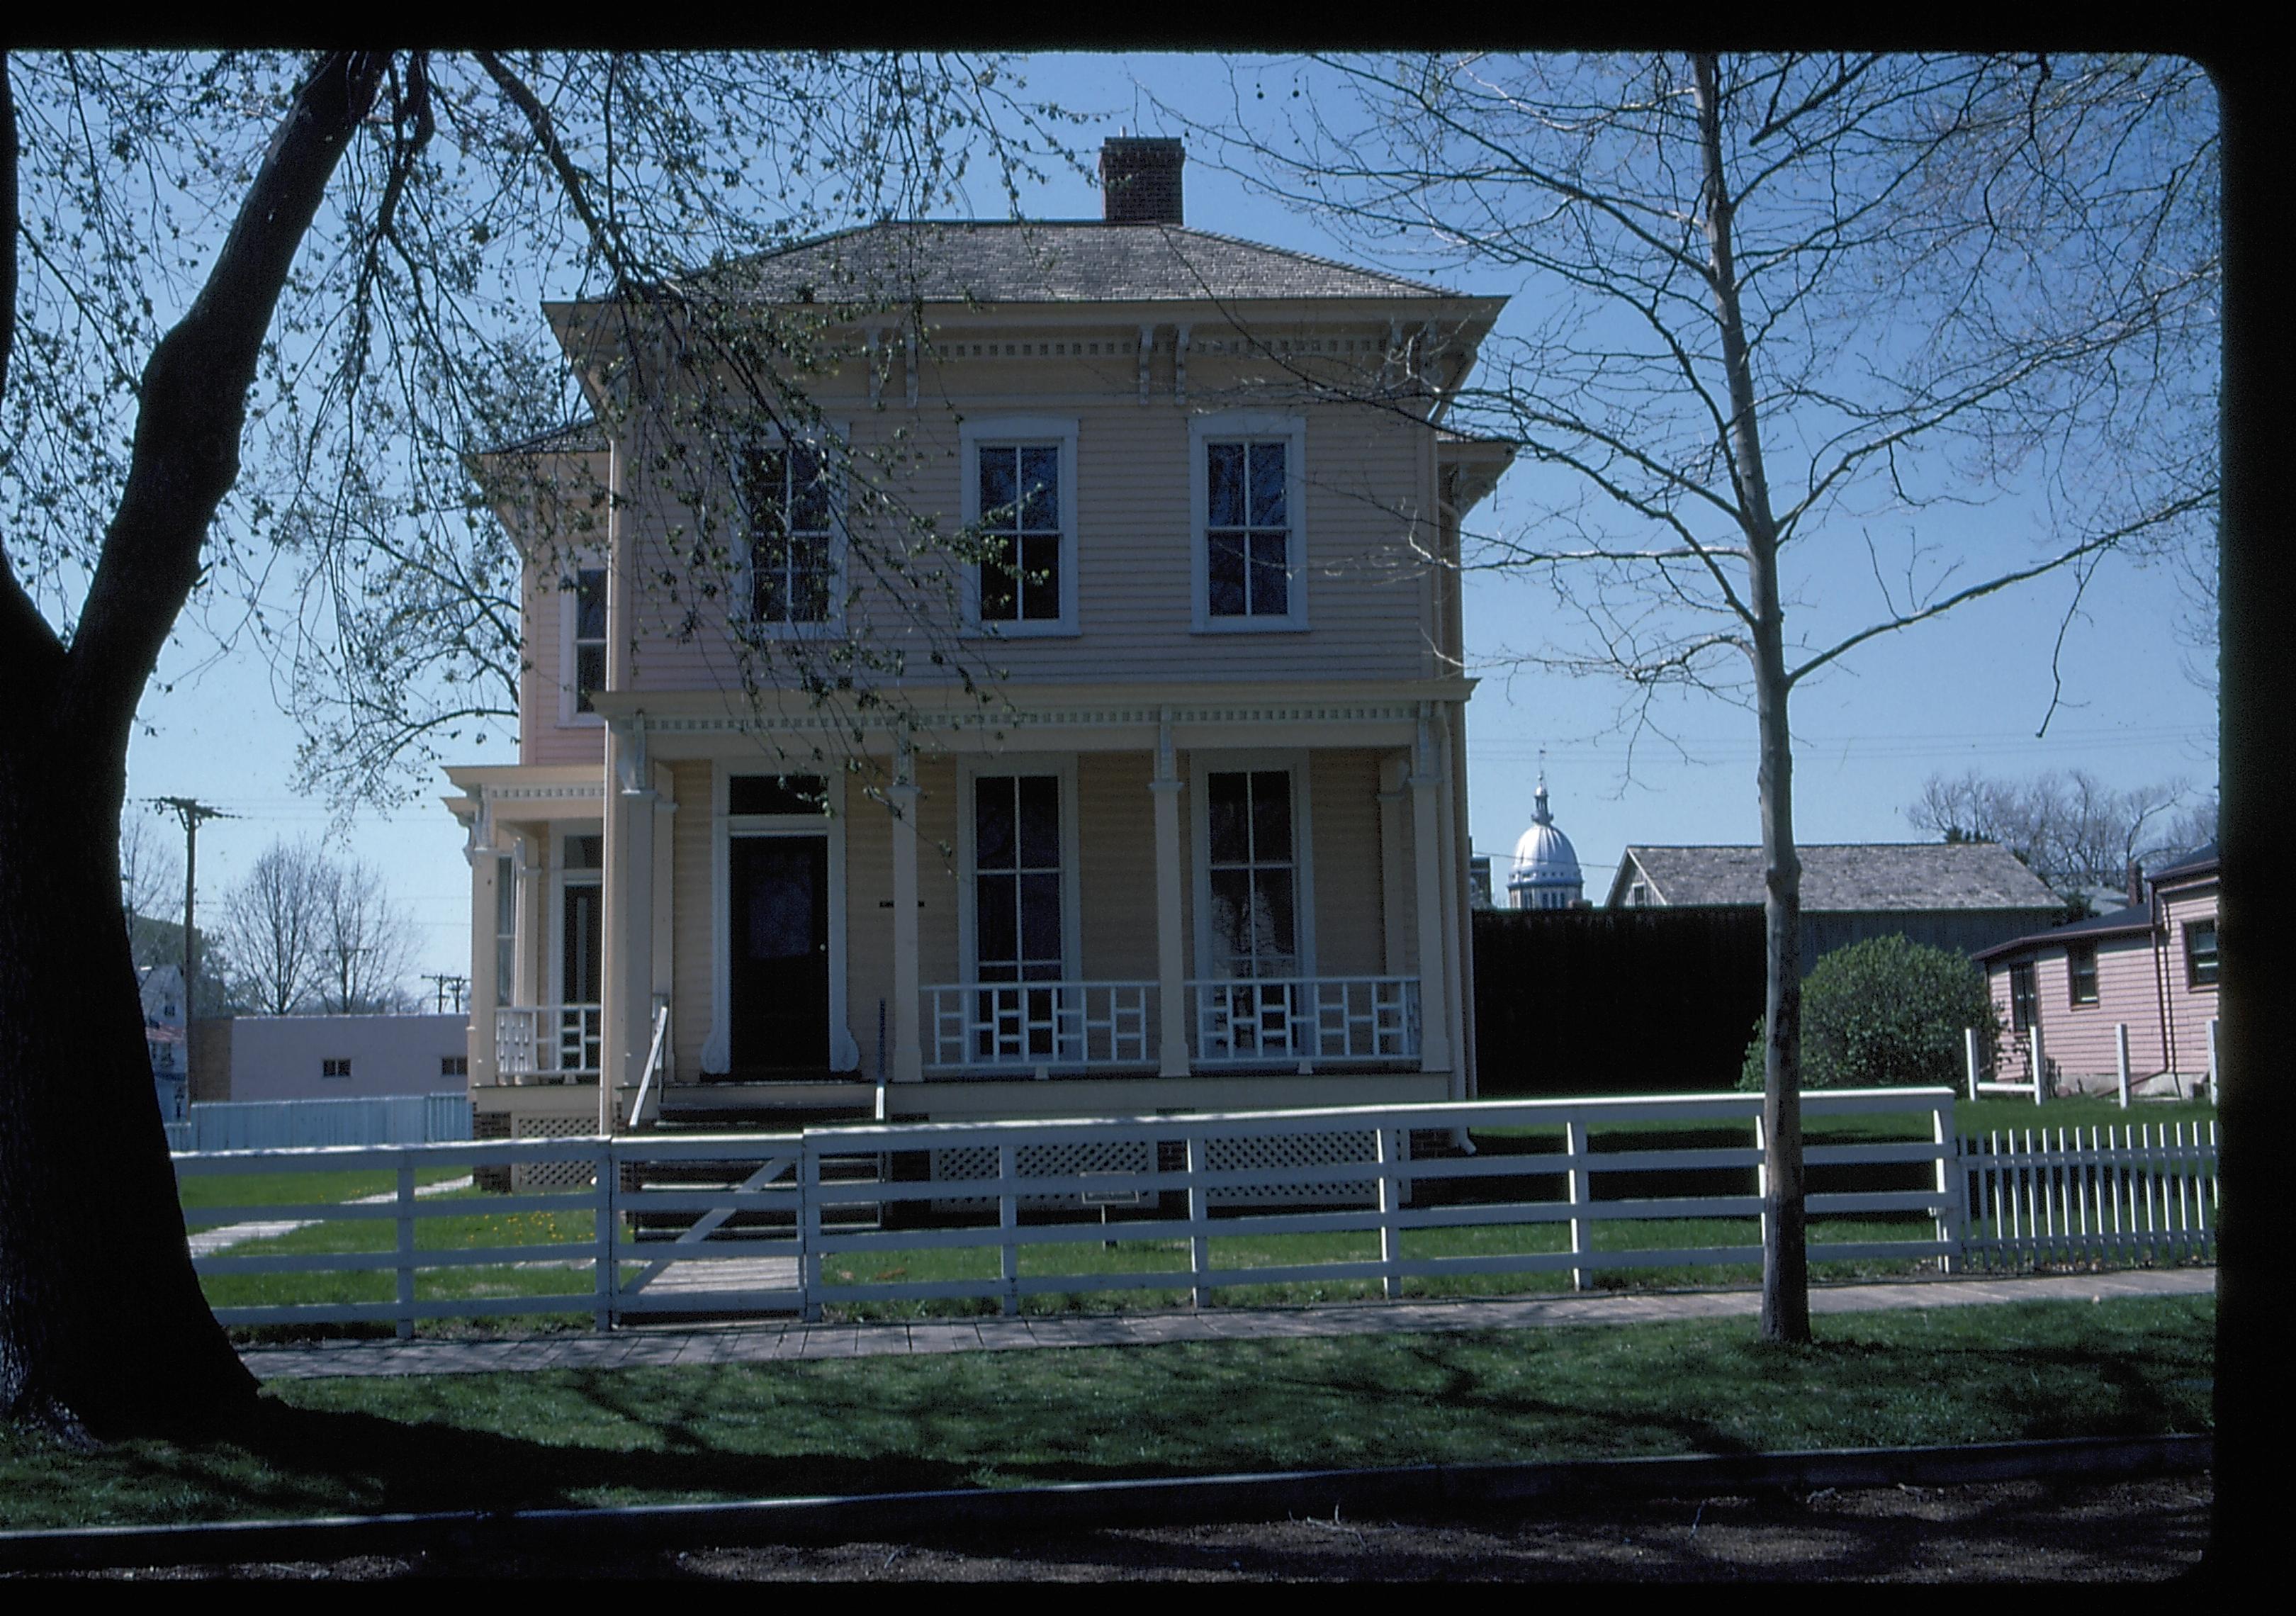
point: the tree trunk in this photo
(1786, 1250)
(103, 1330)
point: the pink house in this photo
(2151, 967)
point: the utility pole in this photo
(446, 982)
(191, 812)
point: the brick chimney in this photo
(1140, 180)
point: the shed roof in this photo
(2202, 861)
(2136, 917)
(1041, 261)
(1846, 877)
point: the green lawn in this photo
(200, 1190)
(562, 1437)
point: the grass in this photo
(200, 1190)
(574, 1438)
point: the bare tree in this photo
(328, 238)
(275, 925)
(151, 873)
(2077, 834)
(365, 943)
(1816, 348)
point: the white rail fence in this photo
(997, 1212)
(224, 1125)
(2142, 1193)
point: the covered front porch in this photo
(1145, 909)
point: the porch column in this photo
(486, 871)
(626, 1014)
(908, 1051)
(531, 984)
(1427, 837)
(1171, 948)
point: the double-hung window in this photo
(1015, 908)
(787, 492)
(1019, 507)
(1250, 531)
(2080, 972)
(2200, 954)
(584, 627)
(1252, 873)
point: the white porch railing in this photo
(1306, 1021)
(1038, 1026)
(548, 1041)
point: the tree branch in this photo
(195, 403)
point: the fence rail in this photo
(1000, 1211)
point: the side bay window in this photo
(1019, 507)
(787, 491)
(1249, 514)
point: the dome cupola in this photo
(1545, 873)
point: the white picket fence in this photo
(735, 1223)
(2142, 1193)
(222, 1125)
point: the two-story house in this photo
(1059, 713)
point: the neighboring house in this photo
(1961, 895)
(162, 988)
(333, 1057)
(2151, 967)
(1202, 845)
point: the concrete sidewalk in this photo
(764, 1342)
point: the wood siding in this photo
(1344, 796)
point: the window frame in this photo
(1202, 766)
(1005, 431)
(1063, 768)
(1224, 426)
(570, 643)
(2024, 997)
(2194, 963)
(2075, 956)
(830, 441)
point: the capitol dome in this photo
(1545, 873)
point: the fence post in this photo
(1392, 1145)
(1199, 1244)
(1969, 1050)
(1762, 1178)
(604, 1209)
(1008, 1218)
(1952, 1208)
(1574, 1142)
(406, 1325)
(2120, 1059)
(808, 1232)
(2215, 1096)
(2040, 1065)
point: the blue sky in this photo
(1967, 692)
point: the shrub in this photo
(1884, 1012)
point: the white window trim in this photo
(980, 429)
(1204, 764)
(835, 438)
(554, 979)
(718, 1048)
(568, 591)
(1247, 423)
(1062, 766)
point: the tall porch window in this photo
(1016, 891)
(1253, 874)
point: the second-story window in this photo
(1246, 529)
(1020, 502)
(1250, 528)
(589, 636)
(786, 495)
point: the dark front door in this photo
(780, 946)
